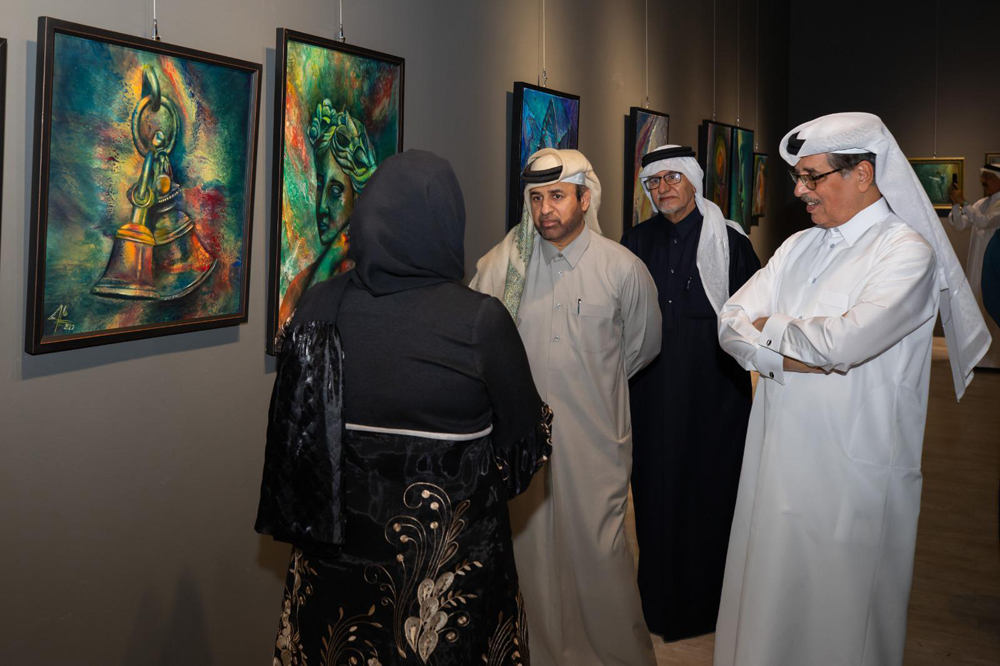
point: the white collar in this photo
(856, 227)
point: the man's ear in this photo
(866, 176)
(585, 200)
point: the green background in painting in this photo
(95, 87)
(370, 91)
(936, 178)
(741, 180)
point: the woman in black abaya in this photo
(402, 541)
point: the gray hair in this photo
(847, 161)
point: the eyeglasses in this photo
(808, 180)
(653, 182)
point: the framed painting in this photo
(715, 148)
(142, 188)
(759, 206)
(992, 158)
(542, 118)
(645, 131)
(338, 114)
(741, 178)
(938, 175)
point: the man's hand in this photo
(956, 195)
(791, 365)
(759, 324)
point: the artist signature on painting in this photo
(61, 319)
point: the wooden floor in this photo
(954, 615)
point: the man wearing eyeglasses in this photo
(839, 324)
(690, 406)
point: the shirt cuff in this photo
(770, 365)
(770, 362)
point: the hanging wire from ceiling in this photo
(714, 55)
(937, 60)
(647, 55)
(340, 34)
(155, 33)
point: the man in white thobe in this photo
(587, 312)
(839, 324)
(983, 217)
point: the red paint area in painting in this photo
(208, 210)
(295, 137)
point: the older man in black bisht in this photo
(690, 407)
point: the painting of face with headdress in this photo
(715, 147)
(542, 118)
(144, 174)
(340, 115)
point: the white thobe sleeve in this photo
(897, 298)
(737, 334)
(970, 216)
(642, 324)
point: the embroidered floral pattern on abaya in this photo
(424, 595)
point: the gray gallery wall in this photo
(884, 61)
(129, 473)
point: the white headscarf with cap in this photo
(503, 270)
(992, 169)
(854, 133)
(713, 243)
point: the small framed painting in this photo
(992, 158)
(759, 207)
(741, 178)
(142, 188)
(715, 150)
(542, 118)
(646, 130)
(938, 175)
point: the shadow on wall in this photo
(182, 638)
(273, 556)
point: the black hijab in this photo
(408, 228)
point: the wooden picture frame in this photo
(938, 175)
(141, 211)
(645, 130)
(339, 93)
(558, 126)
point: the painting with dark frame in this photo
(645, 130)
(741, 178)
(759, 206)
(142, 188)
(542, 118)
(715, 141)
(338, 114)
(938, 175)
